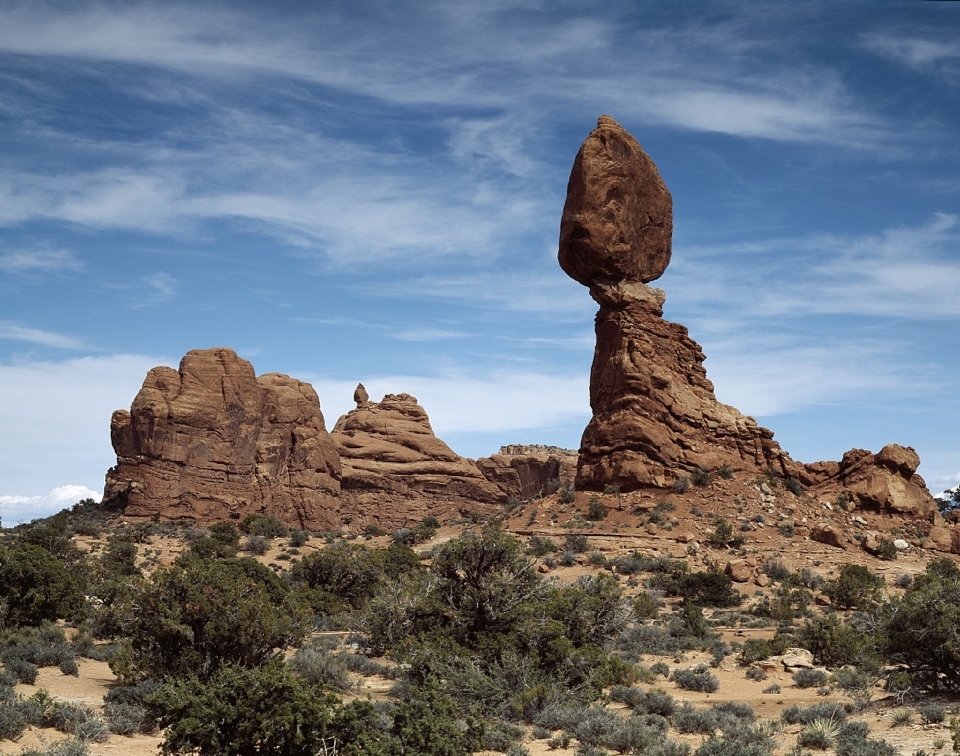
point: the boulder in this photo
(830, 535)
(211, 441)
(617, 221)
(939, 538)
(885, 481)
(395, 471)
(739, 571)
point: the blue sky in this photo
(371, 191)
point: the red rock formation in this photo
(655, 416)
(396, 471)
(885, 481)
(526, 471)
(211, 440)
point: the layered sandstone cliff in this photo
(211, 440)
(396, 471)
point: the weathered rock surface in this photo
(211, 440)
(655, 415)
(526, 471)
(885, 481)
(396, 471)
(617, 221)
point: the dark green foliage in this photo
(317, 666)
(216, 717)
(725, 472)
(835, 643)
(722, 534)
(263, 525)
(299, 538)
(119, 558)
(793, 486)
(575, 542)
(36, 587)
(709, 588)
(596, 509)
(69, 667)
(541, 546)
(756, 649)
(645, 606)
(921, 626)
(193, 619)
(25, 672)
(681, 484)
(566, 495)
(427, 722)
(339, 577)
(701, 478)
(887, 551)
(855, 588)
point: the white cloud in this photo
(40, 337)
(908, 272)
(917, 53)
(460, 402)
(56, 419)
(29, 261)
(763, 379)
(16, 509)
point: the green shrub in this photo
(317, 666)
(722, 534)
(809, 678)
(681, 484)
(793, 486)
(69, 667)
(125, 719)
(887, 551)
(805, 715)
(566, 495)
(855, 588)
(36, 587)
(821, 733)
(756, 674)
(757, 649)
(541, 546)
(697, 679)
(701, 478)
(25, 672)
(256, 544)
(299, 538)
(932, 713)
(576, 542)
(835, 643)
(596, 509)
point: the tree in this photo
(339, 577)
(923, 626)
(485, 585)
(195, 618)
(35, 587)
(855, 588)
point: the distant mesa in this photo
(213, 441)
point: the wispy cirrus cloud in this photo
(33, 261)
(916, 52)
(910, 272)
(13, 332)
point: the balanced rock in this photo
(655, 415)
(528, 470)
(617, 221)
(211, 440)
(396, 471)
